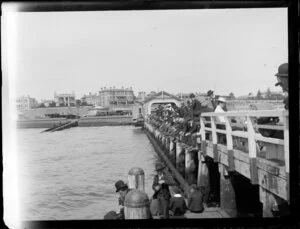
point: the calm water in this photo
(70, 174)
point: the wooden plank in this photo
(287, 155)
(229, 144)
(259, 137)
(252, 151)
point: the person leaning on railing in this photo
(282, 80)
(221, 107)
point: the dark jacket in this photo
(196, 108)
(163, 191)
(195, 201)
(178, 205)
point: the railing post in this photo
(214, 139)
(287, 155)
(252, 151)
(203, 138)
(229, 145)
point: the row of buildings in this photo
(107, 97)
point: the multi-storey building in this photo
(141, 96)
(93, 99)
(115, 97)
(26, 102)
(64, 99)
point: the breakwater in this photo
(82, 122)
(244, 178)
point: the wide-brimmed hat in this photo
(120, 185)
(222, 99)
(159, 166)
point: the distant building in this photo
(66, 100)
(141, 96)
(114, 97)
(48, 102)
(26, 102)
(92, 99)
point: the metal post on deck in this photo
(136, 179)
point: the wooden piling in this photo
(172, 151)
(190, 166)
(136, 179)
(227, 193)
(203, 177)
(180, 158)
(137, 205)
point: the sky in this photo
(226, 50)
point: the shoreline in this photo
(82, 122)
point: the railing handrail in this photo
(260, 113)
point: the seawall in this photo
(84, 121)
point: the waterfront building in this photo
(92, 99)
(66, 99)
(137, 110)
(141, 96)
(26, 102)
(114, 96)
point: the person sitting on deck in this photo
(177, 204)
(122, 189)
(195, 200)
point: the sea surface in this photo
(70, 174)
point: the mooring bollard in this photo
(137, 205)
(136, 179)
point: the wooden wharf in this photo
(239, 157)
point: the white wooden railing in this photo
(250, 131)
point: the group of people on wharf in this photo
(163, 203)
(184, 121)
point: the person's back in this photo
(195, 200)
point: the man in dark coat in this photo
(122, 189)
(282, 80)
(196, 106)
(195, 200)
(161, 190)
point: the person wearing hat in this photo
(122, 189)
(195, 200)
(221, 107)
(209, 103)
(195, 106)
(283, 81)
(177, 203)
(160, 186)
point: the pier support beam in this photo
(227, 192)
(203, 177)
(180, 158)
(272, 204)
(190, 166)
